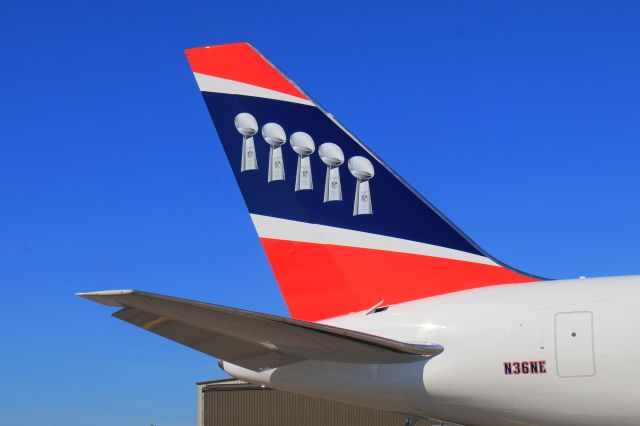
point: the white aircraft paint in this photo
(590, 379)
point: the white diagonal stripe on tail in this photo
(208, 83)
(290, 230)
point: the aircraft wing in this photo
(253, 340)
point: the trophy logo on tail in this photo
(276, 137)
(247, 125)
(362, 169)
(332, 156)
(303, 145)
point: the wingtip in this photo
(104, 293)
(105, 297)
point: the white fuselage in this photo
(583, 333)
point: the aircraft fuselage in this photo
(548, 353)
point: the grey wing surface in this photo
(250, 339)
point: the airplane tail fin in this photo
(342, 231)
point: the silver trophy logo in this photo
(332, 156)
(275, 136)
(247, 126)
(303, 145)
(362, 170)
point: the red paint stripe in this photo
(239, 62)
(324, 281)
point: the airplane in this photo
(392, 306)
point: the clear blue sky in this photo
(111, 175)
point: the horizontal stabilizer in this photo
(250, 339)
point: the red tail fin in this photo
(342, 231)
